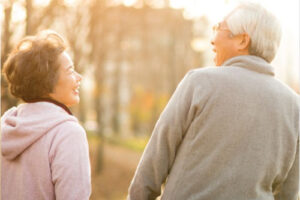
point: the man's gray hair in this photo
(262, 26)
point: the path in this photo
(119, 167)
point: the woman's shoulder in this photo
(68, 130)
(68, 140)
(70, 127)
(67, 135)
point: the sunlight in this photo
(214, 11)
(1, 13)
(71, 3)
(87, 82)
(199, 44)
(287, 60)
(114, 2)
(198, 8)
(129, 2)
(177, 4)
(45, 3)
(18, 13)
(42, 3)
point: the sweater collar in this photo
(250, 62)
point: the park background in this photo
(132, 54)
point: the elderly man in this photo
(228, 132)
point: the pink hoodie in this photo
(44, 154)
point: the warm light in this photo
(71, 2)
(199, 44)
(214, 10)
(45, 3)
(114, 2)
(129, 2)
(88, 83)
(41, 2)
(1, 13)
(177, 4)
(18, 13)
(287, 58)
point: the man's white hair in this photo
(262, 26)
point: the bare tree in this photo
(76, 30)
(97, 37)
(35, 18)
(7, 100)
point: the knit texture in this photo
(227, 133)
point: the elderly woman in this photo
(228, 132)
(44, 149)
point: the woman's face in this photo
(66, 90)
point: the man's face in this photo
(224, 43)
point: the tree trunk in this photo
(7, 101)
(29, 12)
(97, 37)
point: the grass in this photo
(132, 143)
(135, 144)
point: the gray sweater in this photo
(227, 133)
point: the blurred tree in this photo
(128, 47)
(42, 17)
(29, 18)
(7, 100)
(97, 37)
(6, 30)
(120, 32)
(36, 18)
(76, 30)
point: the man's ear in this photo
(244, 42)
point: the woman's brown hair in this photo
(31, 69)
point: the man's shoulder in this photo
(204, 70)
(209, 70)
(207, 73)
(286, 90)
(201, 72)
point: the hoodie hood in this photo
(22, 126)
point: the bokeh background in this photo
(132, 54)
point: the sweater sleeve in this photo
(160, 152)
(70, 165)
(290, 187)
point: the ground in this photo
(118, 170)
